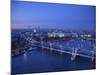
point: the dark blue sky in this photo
(47, 15)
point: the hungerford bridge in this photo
(54, 47)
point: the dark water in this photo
(42, 60)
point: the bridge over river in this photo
(75, 47)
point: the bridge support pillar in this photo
(74, 54)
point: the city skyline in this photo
(52, 15)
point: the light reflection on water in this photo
(43, 60)
(25, 57)
(46, 61)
